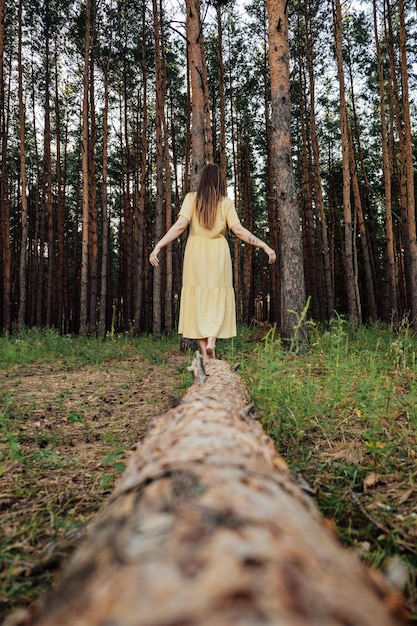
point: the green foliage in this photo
(344, 416)
(40, 346)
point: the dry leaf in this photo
(405, 496)
(371, 480)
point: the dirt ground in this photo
(73, 432)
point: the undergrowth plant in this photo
(344, 416)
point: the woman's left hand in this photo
(272, 257)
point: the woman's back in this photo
(226, 217)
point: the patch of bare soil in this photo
(72, 434)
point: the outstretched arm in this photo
(245, 235)
(173, 233)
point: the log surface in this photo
(206, 527)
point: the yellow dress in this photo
(207, 298)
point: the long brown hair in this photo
(210, 192)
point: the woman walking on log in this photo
(207, 309)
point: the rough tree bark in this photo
(208, 527)
(23, 182)
(350, 267)
(387, 177)
(293, 297)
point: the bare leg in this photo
(211, 345)
(203, 348)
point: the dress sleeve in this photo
(187, 207)
(231, 216)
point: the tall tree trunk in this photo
(293, 299)
(127, 209)
(39, 226)
(5, 250)
(274, 313)
(201, 134)
(85, 175)
(389, 231)
(221, 159)
(186, 181)
(169, 300)
(245, 194)
(364, 237)
(92, 203)
(177, 256)
(400, 173)
(317, 180)
(195, 47)
(47, 180)
(311, 263)
(351, 278)
(409, 165)
(208, 133)
(159, 209)
(208, 527)
(24, 208)
(141, 158)
(105, 212)
(62, 269)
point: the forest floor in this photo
(75, 429)
(72, 411)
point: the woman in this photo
(207, 309)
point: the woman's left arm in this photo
(245, 235)
(173, 233)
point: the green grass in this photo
(343, 412)
(34, 346)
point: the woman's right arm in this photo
(173, 233)
(245, 235)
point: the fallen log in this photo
(207, 527)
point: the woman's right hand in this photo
(153, 257)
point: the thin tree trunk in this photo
(245, 186)
(351, 278)
(169, 300)
(62, 270)
(369, 283)
(141, 157)
(409, 164)
(159, 209)
(85, 174)
(293, 299)
(208, 133)
(222, 102)
(127, 239)
(274, 313)
(186, 181)
(208, 527)
(105, 213)
(4, 190)
(395, 109)
(309, 239)
(317, 181)
(92, 191)
(5, 250)
(47, 183)
(39, 227)
(23, 182)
